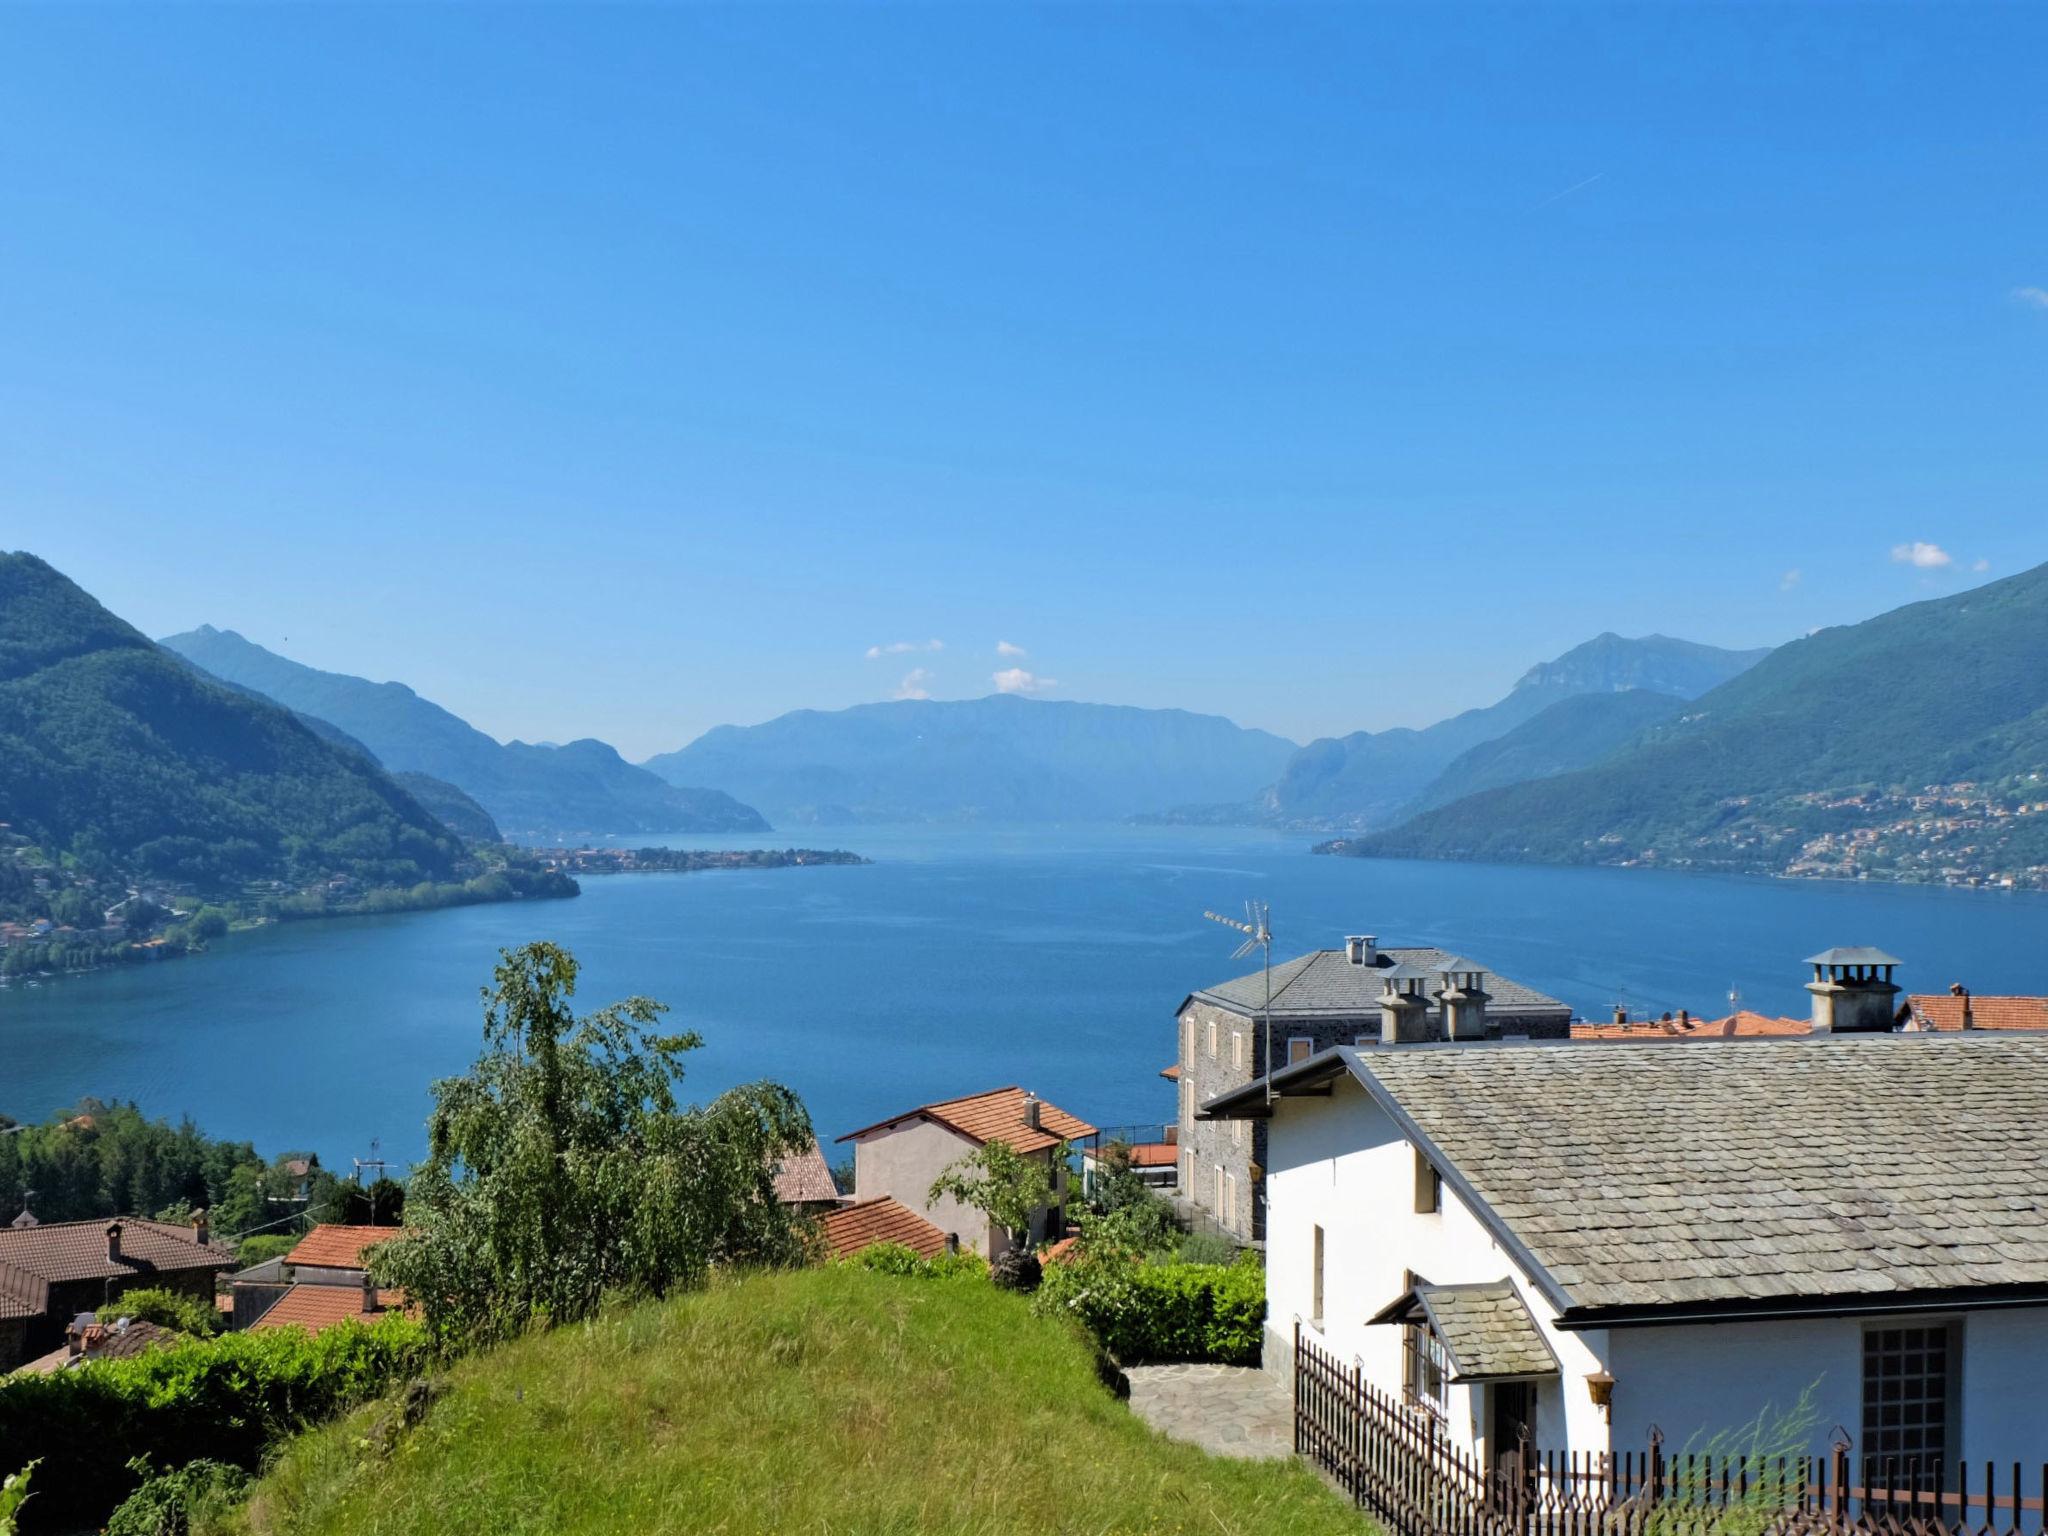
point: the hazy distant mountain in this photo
(1572, 733)
(1002, 758)
(108, 744)
(451, 806)
(583, 787)
(1365, 779)
(1914, 744)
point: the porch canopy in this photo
(1485, 1329)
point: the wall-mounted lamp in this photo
(1601, 1386)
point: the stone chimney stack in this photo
(1404, 1006)
(1362, 949)
(113, 1242)
(1853, 991)
(1620, 1014)
(370, 1302)
(200, 1231)
(1031, 1110)
(1464, 1000)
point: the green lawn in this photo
(823, 1401)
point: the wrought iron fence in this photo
(1396, 1461)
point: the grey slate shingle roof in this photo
(1655, 1174)
(1485, 1329)
(1326, 982)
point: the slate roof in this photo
(1945, 1011)
(805, 1178)
(1326, 983)
(994, 1116)
(57, 1251)
(318, 1307)
(333, 1246)
(1764, 1176)
(885, 1220)
(1485, 1329)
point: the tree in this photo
(562, 1167)
(1128, 1220)
(1000, 1182)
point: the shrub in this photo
(224, 1399)
(166, 1502)
(263, 1246)
(167, 1309)
(1145, 1312)
(895, 1259)
(13, 1494)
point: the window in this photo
(1426, 1368)
(1187, 1103)
(1364, 1040)
(1219, 1192)
(1237, 1049)
(1908, 1393)
(1237, 1133)
(1300, 1048)
(1187, 1170)
(1187, 1039)
(1316, 1282)
(1212, 1039)
(1230, 1200)
(1429, 1186)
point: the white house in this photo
(1593, 1238)
(901, 1156)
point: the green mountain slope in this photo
(110, 746)
(451, 806)
(1572, 733)
(1913, 745)
(546, 791)
(1002, 758)
(1366, 779)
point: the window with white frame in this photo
(1425, 1368)
(1299, 1048)
(1429, 1186)
(1212, 1039)
(1187, 1039)
(1230, 1200)
(1316, 1286)
(1366, 1040)
(1237, 1049)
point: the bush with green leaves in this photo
(1141, 1312)
(896, 1259)
(167, 1502)
(225, 1399)
(167, 1309)
(13, 1494)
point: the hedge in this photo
(1142, 1312)
(224, 1399)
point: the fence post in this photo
(1839, 1471)
(1655, 1484)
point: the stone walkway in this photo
(1232, 1410)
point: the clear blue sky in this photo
(621, 371)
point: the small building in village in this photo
(1573, 1243)
(324, 1280)
(901, 1157)
(52, 1272)
(1361, 994)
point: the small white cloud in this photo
(1004, 648)
(1791, 579)
(1925, 556)
(2033, 298)
(1017, 680)
(903, 648)
(1980, 566)
(916, 684)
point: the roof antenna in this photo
(1258, 928)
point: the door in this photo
(1511, 1437)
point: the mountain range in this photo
(1913, 745)
(545, 792)
(1001, 758)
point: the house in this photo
(1586, 1242)
(1329, 997)
(1959, 1008)
(1739, 1025)
(317, 1307)
(864, 1223)
(1156, 1163)
(901, 1156)
(87, 1340)
(804, 1181)
(53, 1271)
(332, 1255)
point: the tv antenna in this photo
(1257, 928)
(372, 1161)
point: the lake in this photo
(962, 959)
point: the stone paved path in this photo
(1232, 1410)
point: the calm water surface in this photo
(959, 960)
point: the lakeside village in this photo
(1409, 1220)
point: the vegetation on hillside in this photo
(1572, 733)
(829, 1399)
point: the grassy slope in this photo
(824, 1401)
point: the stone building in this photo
(1361, 994)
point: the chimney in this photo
(1620, 1014)
(1464, 1000)
(953, 1243)
(1853, 991)
(1404, 1011)
(1362, 949)
(200, 1231)
(1957, 989)
(1685, 1018)
(370, 1303)
(113, 1242)
(74, 1335)
(1031, 1108)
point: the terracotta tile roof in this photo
(105, 1341)
(994, 1116)
(57, 1251)
(1154, 1154)
(885, 1220)
(1065, 1251)
(1742, 1024)
(1945, 1011)
(806, 1178)
(318, 1307)
(331, 1246)
(1171, 1072)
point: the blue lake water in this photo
(959, 960)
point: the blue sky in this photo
(623, 371)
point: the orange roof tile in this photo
(994, 1116)
(318, 1307)
(1171, 1071)
(805, 1178)
(1944, 1010)
(1154, 1154)
(331, 1246)
(1742, 1024)
(884, 1220)
(1065, 1251)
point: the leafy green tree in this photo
(563, 1168)
(1002, 1183)
(1126, 1218)
(168, 1309)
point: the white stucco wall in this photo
(1341, 1163)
